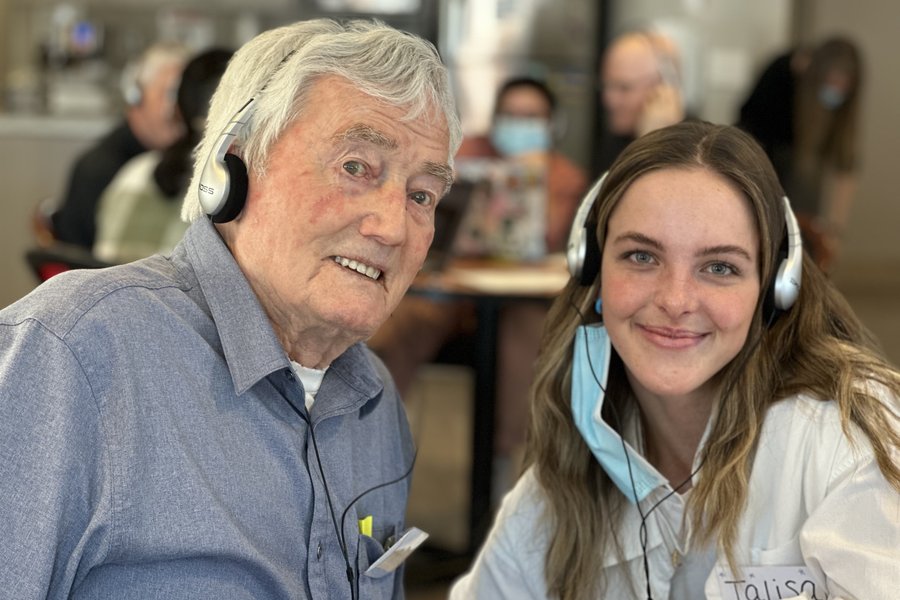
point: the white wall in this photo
(35, 156)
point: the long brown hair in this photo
(818, 347)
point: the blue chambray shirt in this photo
(148, 450)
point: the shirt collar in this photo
(251, 349)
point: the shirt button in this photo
(676, 558)
(319, 551)
(289, 374)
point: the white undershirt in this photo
(311, 380)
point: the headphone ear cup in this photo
(590, 266)
(237, 190)
(770, 310)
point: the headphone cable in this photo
(352, 576)
(341, 540)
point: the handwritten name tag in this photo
(769, 583)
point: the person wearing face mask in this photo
(803, 111)
(524, 125)
(523, 128)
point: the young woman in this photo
(763, 444)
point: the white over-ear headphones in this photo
(223, 183)
(786, 285)
(583, 254)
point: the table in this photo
(489, 285)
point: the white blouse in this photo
(821, 521)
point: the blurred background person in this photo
(140, 210)
(803, 111)
(524, 126)
(149, 123)
(641, 86)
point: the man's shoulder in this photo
(111, 294)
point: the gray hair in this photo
(143, 69)
(279, 66)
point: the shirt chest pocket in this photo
(787, 553)
(370, 549)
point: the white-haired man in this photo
(211, 424)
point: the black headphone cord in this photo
(405, 474)
(352, 578)
(341, 541)
(643, 528)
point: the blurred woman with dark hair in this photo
(803, 111)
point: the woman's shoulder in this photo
(815, 431)
(804, 410)
(510, 563)
(525, 501)
(521, 527)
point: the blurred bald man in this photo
(641, 88)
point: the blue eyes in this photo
(722, 269)
(719, 269)
(643, 258)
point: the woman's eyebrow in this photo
(640, 238)
(725, 249)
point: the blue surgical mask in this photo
(590, 370)
(518, 135)
(831, 97)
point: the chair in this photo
(50, 260)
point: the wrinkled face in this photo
(336, 230)
(629, 76)
(679, 280)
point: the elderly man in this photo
(209, 425)
(641, 83)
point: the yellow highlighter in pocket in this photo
(365, 526)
